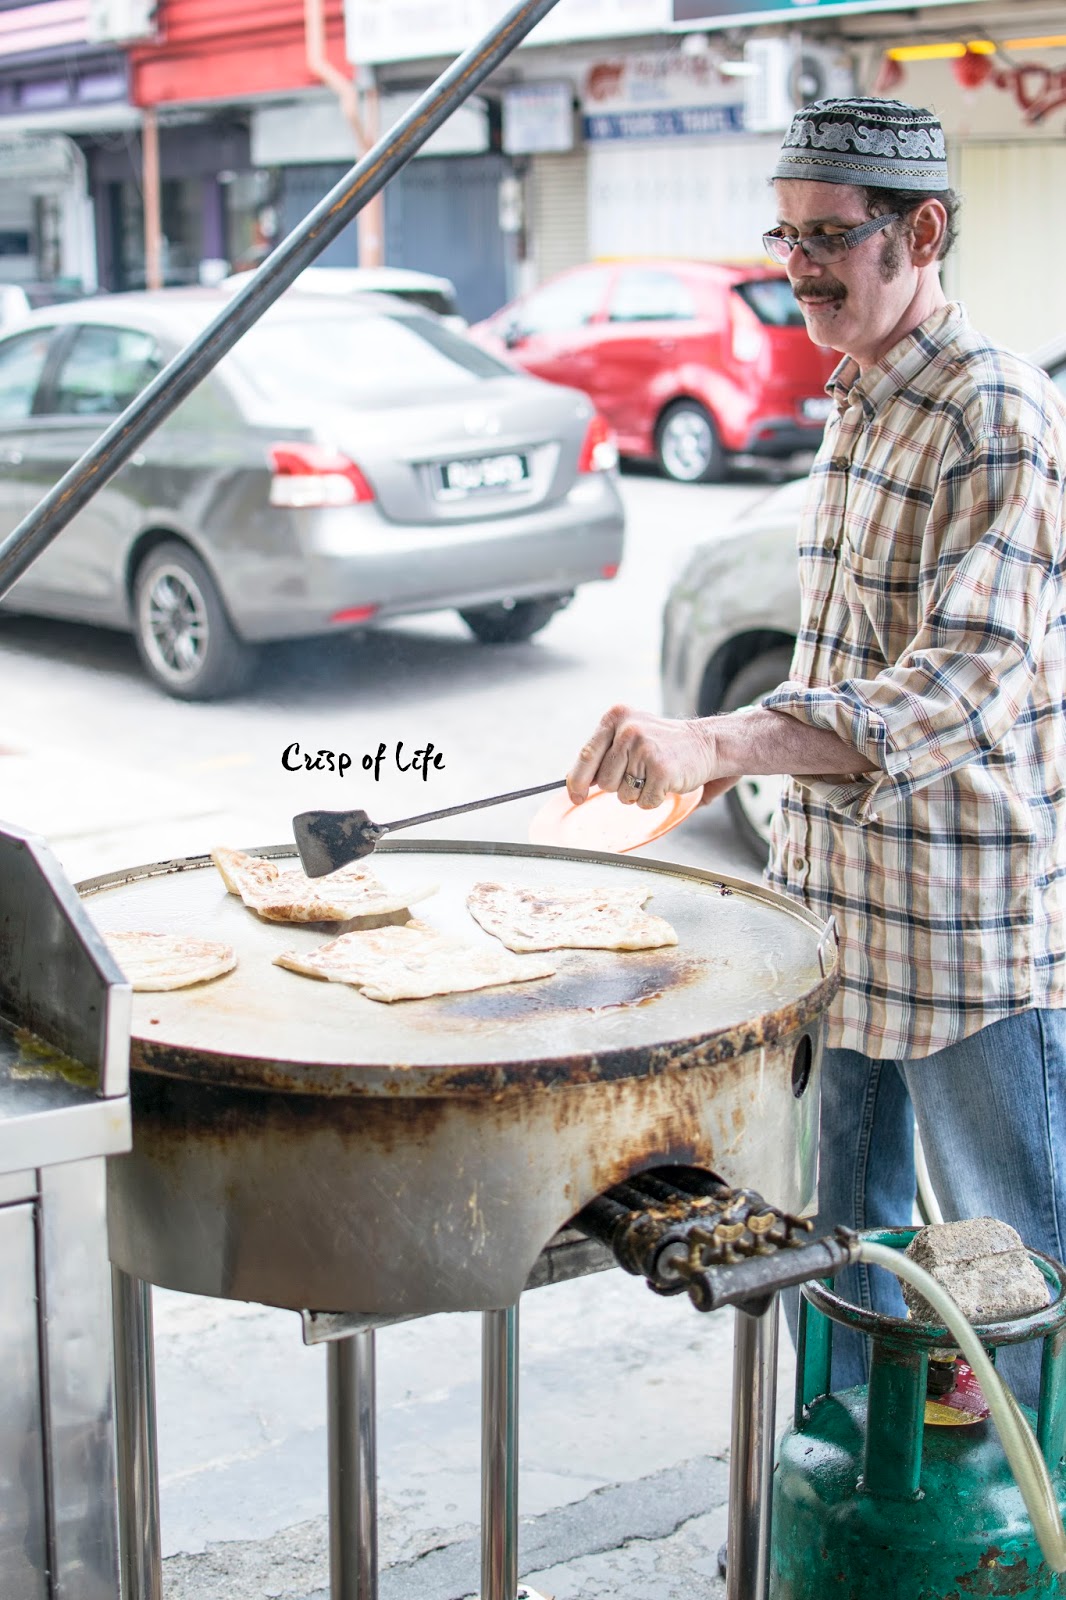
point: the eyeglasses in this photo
(824, 248)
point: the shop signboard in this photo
(379, 31)
(36, 159)
(735, 13)
(538, 118)
(664, 96)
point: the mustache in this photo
(818, 289)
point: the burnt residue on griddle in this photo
(633, 980)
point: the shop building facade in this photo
(212, 67)
(62, 89)
(620, 128)
(651, 127)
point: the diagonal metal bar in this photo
(333, 213)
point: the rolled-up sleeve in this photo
(988, 580)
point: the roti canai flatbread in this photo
(157, 961)
(556, 918)
(283, 893)
(411, 962)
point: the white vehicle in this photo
(420, 289)
(17, 300)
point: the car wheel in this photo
(184, 637)
(753, 801)
(511, 621)
(687, 445)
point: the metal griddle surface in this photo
(744, 953)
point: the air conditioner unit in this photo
(789, 73)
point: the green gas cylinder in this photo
(871, 1502)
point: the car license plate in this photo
(485, 474)
(817, 409)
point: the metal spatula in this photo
(327, 840)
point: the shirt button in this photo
(799, 863)
(829, 543)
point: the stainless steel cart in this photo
(64, 1066)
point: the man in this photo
(923, 724)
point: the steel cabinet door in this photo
(23, 1535)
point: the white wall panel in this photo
(706, 198)
(1012, 233)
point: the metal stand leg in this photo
(353, 1468)
(499, 1454)
(751, 1463)
(138, 1462)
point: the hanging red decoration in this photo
(890, 75)
(972, 68)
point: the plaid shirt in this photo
(933, 639)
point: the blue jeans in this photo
(991, 1112)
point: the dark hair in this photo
(878, 201)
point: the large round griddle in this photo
(298, 1144)
(749, 966)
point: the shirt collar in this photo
(899, 366)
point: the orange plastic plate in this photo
(604, 823)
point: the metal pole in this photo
(353, 1468)
(499, 1454)
(153, 204)
(332, 214)
(751, 1461)
(140, 1553)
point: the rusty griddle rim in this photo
(254, 1073)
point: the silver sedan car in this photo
(349, 461)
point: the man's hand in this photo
(643, 758)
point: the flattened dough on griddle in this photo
(280, 893)
(557, 918)
(411, 962)
(156, 961)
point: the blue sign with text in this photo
(730, 13)
(670, 123)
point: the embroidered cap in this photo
(884, 144)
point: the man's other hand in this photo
(643, 758)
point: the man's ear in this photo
(928, 224)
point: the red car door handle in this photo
(667, 344)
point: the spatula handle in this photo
(471, 805)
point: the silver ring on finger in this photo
(638, 783)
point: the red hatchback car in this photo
(690, 362)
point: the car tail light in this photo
(748, 339)
(599, 453)
(354, 614)
(313, 475)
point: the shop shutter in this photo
(558, 198)
(1012, 237)
(708, 198)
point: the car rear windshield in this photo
(435, 300)
(349, 359)
(772, 301)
